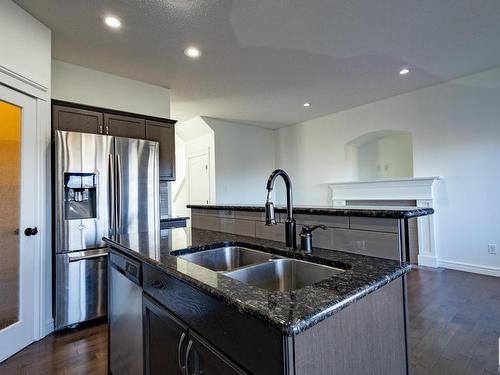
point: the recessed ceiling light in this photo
(404, 71)
(307, 104)
(192, 52)
(113, 22)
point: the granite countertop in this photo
(291, 312)
(392, 212)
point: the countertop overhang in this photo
(391, 212)
(290, 312)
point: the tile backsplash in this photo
(164, 199)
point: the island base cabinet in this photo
(366, 338)
(171, 348)
(203, 358)
(164, 340)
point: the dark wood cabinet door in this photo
(164, 133)
(203, 358)
(124, 126)
(165, 340)
(77, 120)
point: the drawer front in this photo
(246, 340)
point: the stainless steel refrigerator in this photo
(104, 185)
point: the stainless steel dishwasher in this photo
(125, 315)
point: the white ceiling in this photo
(263, 59)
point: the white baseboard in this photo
(427, 261)
(467, 267)
(49, 327)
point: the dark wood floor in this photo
(454, 329)
(454, 322)
(79, 351)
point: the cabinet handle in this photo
(181, 340)
(188, 351)
(157, 284)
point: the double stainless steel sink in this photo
(261, 269)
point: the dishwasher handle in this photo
(129, 268)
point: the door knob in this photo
(31, 231)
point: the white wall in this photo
(25, 44)
(244, 158)
(82, 85)
(194, 137)
(455, 128)
(389, 156)
(241, 157)
(25, 60)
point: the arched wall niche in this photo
(380, 155)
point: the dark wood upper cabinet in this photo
(164, 133)
(124, 126)
(87, 119)
(77, 120)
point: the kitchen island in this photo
(381, 231)
(199, 320)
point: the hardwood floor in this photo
(454, 322)
(454, 329)
(79, 351)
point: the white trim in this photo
(49, 326)
(44, 273)
(399, 179)
(427, 261)
(468, 267)
(419, 188)
(43, 254)
(25, 330)
(24, 84)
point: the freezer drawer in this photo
(80, 287)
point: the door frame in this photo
(22, 332)
(42, 301)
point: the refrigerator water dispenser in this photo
(80, 191)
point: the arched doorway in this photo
(379, 155)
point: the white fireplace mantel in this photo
(419, 189)
(389, 189)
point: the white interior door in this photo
(199, 179)
(18, 187)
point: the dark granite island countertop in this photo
(290, 312)
(391, 212)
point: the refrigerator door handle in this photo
(85, 257)
(111, 194)
(118, 191)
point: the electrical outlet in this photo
(492, 248)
